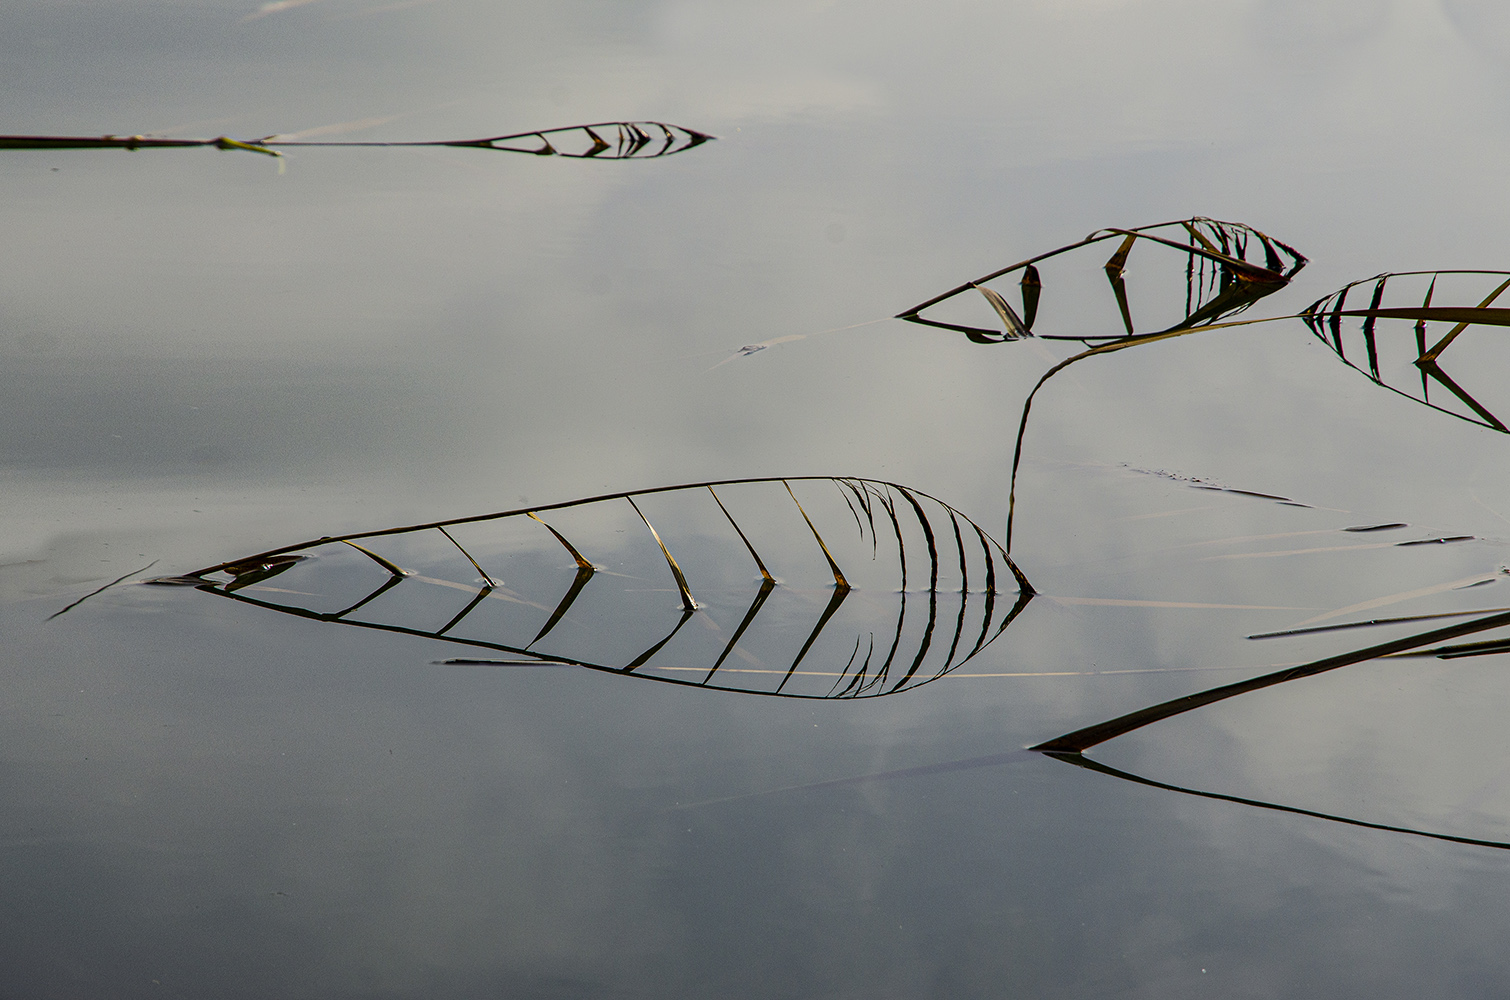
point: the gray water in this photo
(206, 354)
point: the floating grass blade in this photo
(1083, 739)
(839, 580)
(765, 573)
(1235, 281)
(777, 658)
(688, 604)
(490, 581)
(582, 563)
(1015, 328)
(631, 142)
(390, 567)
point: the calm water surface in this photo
(206, 354)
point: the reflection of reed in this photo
(1070, 747)
(1083, 739)
(1080, 760)
(1325, 315)
(878, 664)
(625, 141)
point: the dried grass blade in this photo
(486, 577)
(1012, 324)
(688, 604)
(753, 554)
(839, 580)
(390, 567)
(1114, 271)
(1421, 340)
(1032, 289)
(1083, 739)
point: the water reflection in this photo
(625, 141)
(1386, 295)
(1070, 747)
(850, 635)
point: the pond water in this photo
(554, 758)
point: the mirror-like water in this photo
(600, 561)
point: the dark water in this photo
(541, 786)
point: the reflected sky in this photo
(206, 353)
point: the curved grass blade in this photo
(786, 644)
(1083, 739)
(1221, 280)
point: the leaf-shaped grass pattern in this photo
(600, 140)
(790, 600)
(1380, 324)
(1218, 262)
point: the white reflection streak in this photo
(273, 8)
(749, 349)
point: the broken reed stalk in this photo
(630, 140)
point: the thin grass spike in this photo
(390, 567)
(688, 604)
(486, 578)
(753, 554)
(839, 580)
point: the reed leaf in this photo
(1220, 279)
(625, 141)
(814, 631)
